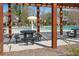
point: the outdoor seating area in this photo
(38, 44)
(37, 28)
(25, 36)
(74, 33)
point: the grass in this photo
(75, 51)
(72, 50)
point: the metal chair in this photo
(70, 34)
(16, 36)
(37, 37)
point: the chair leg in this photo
(32, 41)
(27, 42)
(16, 41)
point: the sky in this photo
(5, 8)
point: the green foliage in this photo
(47, 17)
(64, 22)
(16, 10)
(71, 50)
(75, 51)
(71, 23)
(22, 12)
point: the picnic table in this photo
(75, 30)
(28, 35)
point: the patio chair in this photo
(70, 34)
(37, 37)
(16, 36)
(62, 37)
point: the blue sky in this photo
(5, 8)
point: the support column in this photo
(54, 26)
(1, 29)
(9, 21)
(61, 21)
(38, 19)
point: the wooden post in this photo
(1, 29)
(9, 21)
(61, 21)
(54, 26)
(38, 19)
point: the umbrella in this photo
(32, 19)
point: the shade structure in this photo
(32, 19)
(9, 21)
(1, 29)
(58, 21)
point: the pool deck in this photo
(37, 45)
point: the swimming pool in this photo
(58, 27)
(42, 28)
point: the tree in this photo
(16, 10)
(74, 16)
(46, 17)
(22, 12)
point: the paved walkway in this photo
(37, 45)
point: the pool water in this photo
(58, 27)
(42, 28)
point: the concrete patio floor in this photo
(37, 45)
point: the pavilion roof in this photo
(64, 5)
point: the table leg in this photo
(25, 36)
(32, 41)
(74, 33)
(26, 41)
